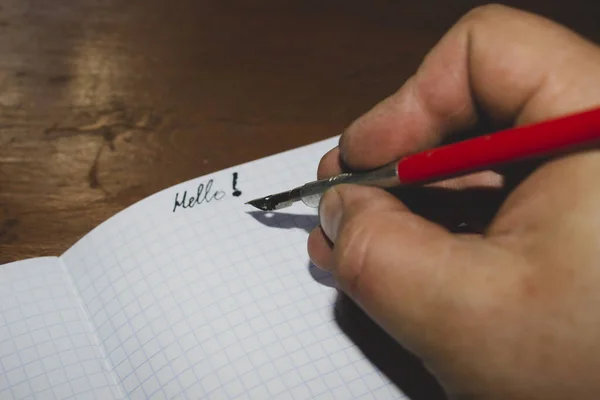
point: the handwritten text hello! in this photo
(204, 194)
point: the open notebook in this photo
(188, 294)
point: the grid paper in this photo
(47, 349)
(218, 301)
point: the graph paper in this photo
(47, 347)
(191, 294)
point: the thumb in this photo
(403, 270)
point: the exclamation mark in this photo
(236, 192)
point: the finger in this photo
(330, 164)
(511, 65)
(484, 179)
(320, 249)
(397, 266)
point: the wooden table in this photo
(104, 102)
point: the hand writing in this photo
(511, 313)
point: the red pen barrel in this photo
(486, 152)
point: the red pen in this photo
(544, 139)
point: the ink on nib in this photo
(261, 204)
(269, 203)
(275, 201)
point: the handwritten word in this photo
(236, 192)
(204, 194)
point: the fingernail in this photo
(330, 213)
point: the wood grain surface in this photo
(104, 102)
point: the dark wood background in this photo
(104, 102)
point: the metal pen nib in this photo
(277, 201)
(310, 193)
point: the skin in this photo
(512, 313)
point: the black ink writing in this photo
(236, 192)
(204, 194)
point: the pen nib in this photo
(275, 201)
(261, 204)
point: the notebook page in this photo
(47, 348)
(214, 300)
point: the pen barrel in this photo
(544, 139)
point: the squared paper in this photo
(46, 341)
(215, 300)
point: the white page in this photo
(47, 347)
(209, 302)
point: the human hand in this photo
(511, 313)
